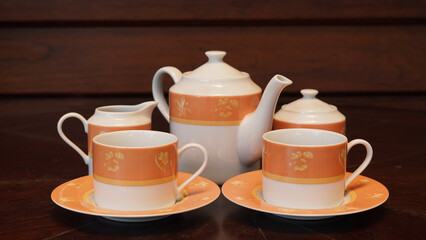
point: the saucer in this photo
(77, 195)
(362, 194)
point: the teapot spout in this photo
(259, 122)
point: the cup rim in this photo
(321, 131)
(104, 135)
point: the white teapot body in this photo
(209, 106)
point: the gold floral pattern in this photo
(165, 210)
(225, 106)
(162, 159)
(343, 130)
(68, 199)
(375, 195)
(300, 162)
(342, 157)
(78, 186)
(238, 183)
(112, 161)
(345, 209)
(287, 210)
(200, 184)
(182, 106)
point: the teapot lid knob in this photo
(215, 56)
(309, 93)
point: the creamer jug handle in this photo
(83, 155)
(157, 88)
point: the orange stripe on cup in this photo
(134, 182)
(211, 110)
(144, 166)
(339, 127)
(95, 130)
(289, 162)
(303, 180)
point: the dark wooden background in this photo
(56, 56)
(63, 47)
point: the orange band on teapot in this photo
(211, 110)
(303, 164)
(339, 127)
(95, 130)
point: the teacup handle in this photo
(364, 164)
(85, 157)
(199, 171)
(157, 88)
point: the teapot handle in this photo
(157, 88)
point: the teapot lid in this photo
(309, 103)
(216, 68)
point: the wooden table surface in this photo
(35, 160)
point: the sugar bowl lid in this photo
(309, 103)
(309, 109)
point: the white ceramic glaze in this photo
(135, 197)
(233, 148)
(115, 117)
(225, 163)
(309, 110)
(294, 195)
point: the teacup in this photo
(305, 168)
(138, 169)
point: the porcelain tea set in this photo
(220, 128)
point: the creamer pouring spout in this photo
(222, 109)
(142, 110)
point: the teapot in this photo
(109, 119)
(310, 112)
(222, 109)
